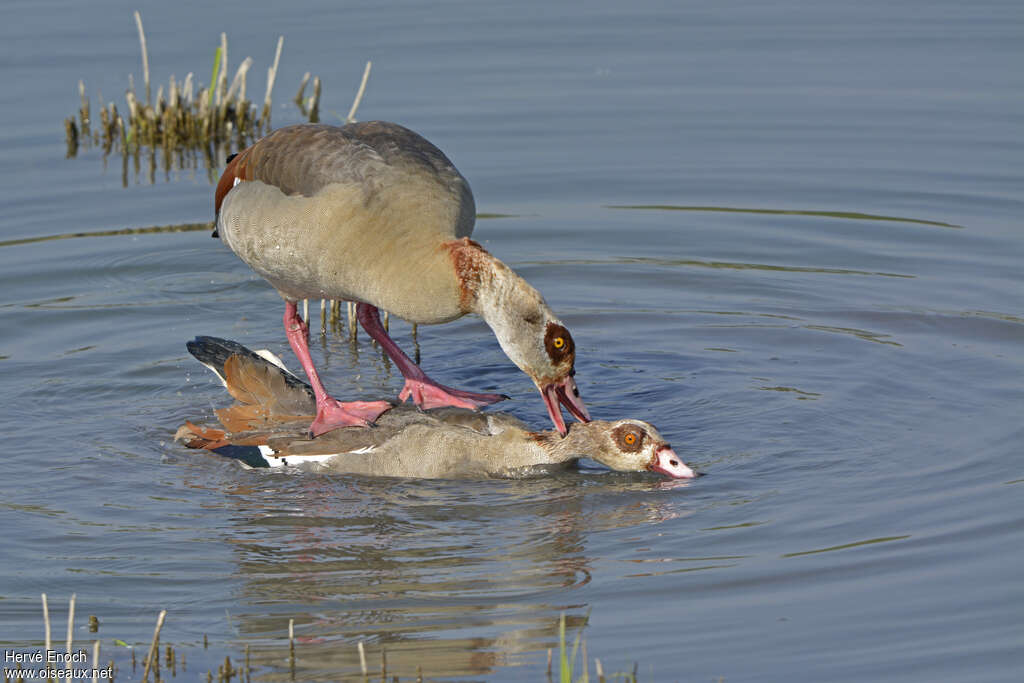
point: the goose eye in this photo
(558, 342)
(630, 439)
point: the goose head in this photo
(629, 446)
(554, 374)
(526, 328)
(542, 347)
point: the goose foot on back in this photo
(330, 413)
(425, 392)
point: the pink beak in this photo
(568, 394)
(668, 463)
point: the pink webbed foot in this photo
(429, 394)
(332, 414)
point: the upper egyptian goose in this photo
(374, 213)
(266, 427)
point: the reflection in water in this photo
(453, 579)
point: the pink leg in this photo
(425, 392)
(330, 413)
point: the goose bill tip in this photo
(564, 392)
(665, 461)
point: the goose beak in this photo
(671, 465)
(564, 392)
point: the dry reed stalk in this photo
(300, 96)
(145, 53)
(95, 660)
(46, 626)
(71, 627)
(222, 77)
(83, 112)
(359, 94)
(152, 647)
(362, 658)
(314, 102)
(264, 120)
(236, 93)
(186, 89)
(173, 96)
(291, 641)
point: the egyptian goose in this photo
(374, 213)
(266, 427)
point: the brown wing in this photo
(302, 159)
(264, 386)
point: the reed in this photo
(291, 647)
(71, 625)
(567, 660)
(154, 653)
(184, 119)
(241, 670)
(271, 77)
(46, 626)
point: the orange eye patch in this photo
(629, 438)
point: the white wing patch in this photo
(273, 359)
(217, 372)
(274, 460)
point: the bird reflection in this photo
(444, 578)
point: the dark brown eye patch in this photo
(559, 344)
(629, 438)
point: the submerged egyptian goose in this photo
(374, 213)
(266, 427)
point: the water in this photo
(851, 385)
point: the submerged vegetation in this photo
(186, 124)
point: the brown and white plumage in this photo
(272, 410)
(374, 213)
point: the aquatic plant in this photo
(187, 120)
(241, 670)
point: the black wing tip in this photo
(215, 351)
